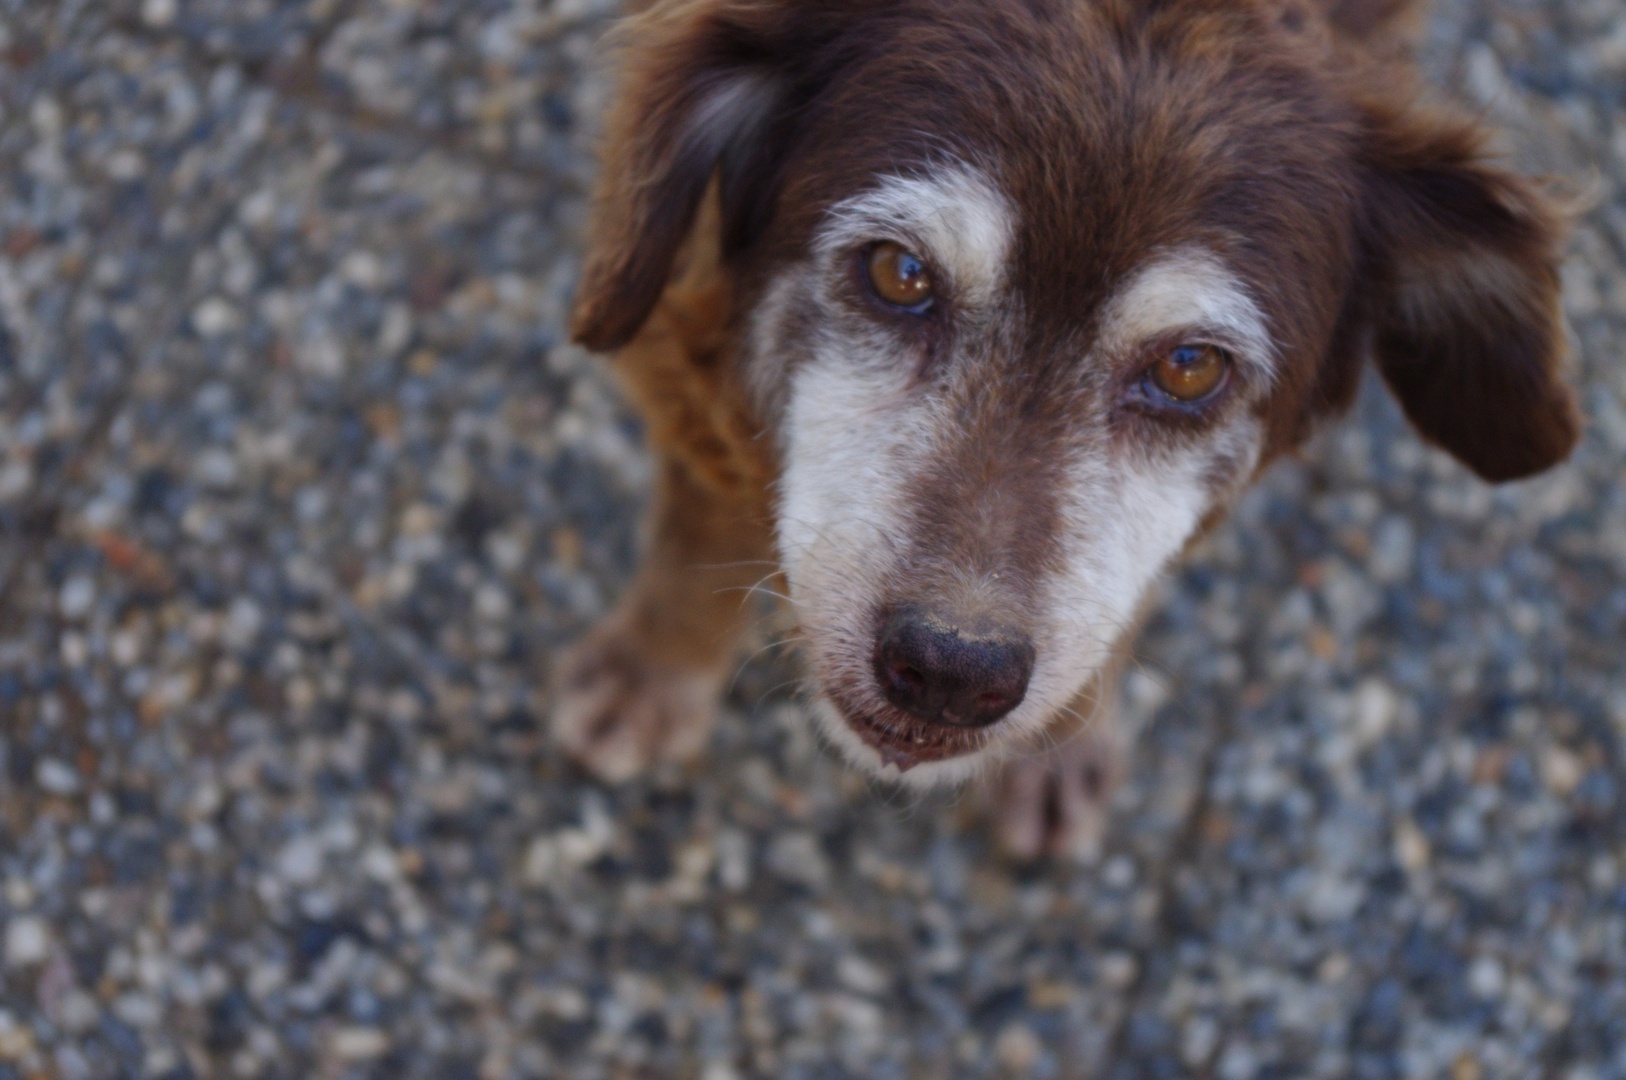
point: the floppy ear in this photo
(709, 87)
(1464, 318)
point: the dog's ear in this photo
(1461, 295)
(708, 88)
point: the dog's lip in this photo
(905, 742)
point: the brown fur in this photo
(1291, 138)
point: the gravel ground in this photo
(300, 487)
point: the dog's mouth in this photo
(903, 741)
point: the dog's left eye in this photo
(899, 276)
(1190, 374)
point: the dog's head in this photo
(1028, 290)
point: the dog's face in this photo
(1028, 292)
(978, 492)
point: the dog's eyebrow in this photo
(1191, 289)
(955, 213)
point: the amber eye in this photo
(898, 276)
(1189, 373)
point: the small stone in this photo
(75, 651)
(797, 857)
(1119, 872)
(379, 863)
(1018, 1048)
(541, 862)
(1616, 708)
(157, 13)
(1047, 994)
(16, 1040)
(1333, 967)
(57, 777)
(323, 356)
(395, 330)
(214, 317)
(160, 1061)
(1411, 847)
(126, 164)
(78, 1012)
(1350, 600)
(1394, 547)
(28, 941)
(358, 1043)
(300, 861)
(491, 602)
(138, 1010)
(1561, 771)
(1373, 706)
(1198, 1040)
(207, 799)
(733, 859)
(861, 976)
(243, 622)
(1466, 1067)
(1238, 1062)
(77, 597)
(363, 269)
(215, 468)
(1333, 897)
(418, 519)
(1485, 978)
(1118, 969)
(16, 477)
(47, 116)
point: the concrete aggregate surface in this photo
(301, 487)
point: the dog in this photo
(967, 317)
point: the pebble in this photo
(214, 317)
(159, 13)
(28, 941)
(57, 777)
(1198, 1039)
(1411, 847)
(359, 1043)
(1118, 969)
(76, 598)
(300, 862)
(1485, 978)
(796, 857)
(1018, 1048)
(1561, 770)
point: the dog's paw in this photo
(618, 713)
(1057, 803)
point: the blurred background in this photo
(301, 487)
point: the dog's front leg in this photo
(643, 686)
(1056, 802)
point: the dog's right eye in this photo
(1190, 374)
(899, 277)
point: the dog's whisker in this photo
(754, 590)
(745, 663)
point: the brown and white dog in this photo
(970, 315)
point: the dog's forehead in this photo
(1110, 136)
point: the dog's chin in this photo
(904, 752)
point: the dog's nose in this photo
(938, 672)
